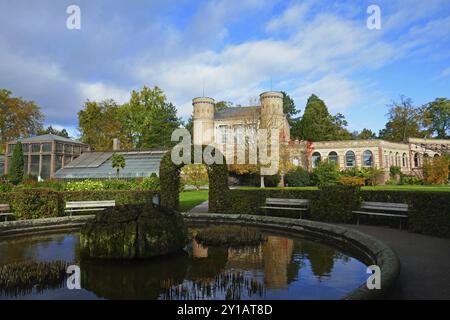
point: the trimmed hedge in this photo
(429, 211)
(44, 203)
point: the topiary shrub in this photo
(169, 174)
(133, 232)
(16, 165)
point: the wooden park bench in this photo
(384, 209)
(5, 211)
(287, 204)
(82, 206)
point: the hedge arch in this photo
(169, 175)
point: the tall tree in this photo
(15, 168)
(404, 121)
(18, 118)
(101, 122)
(291, 111)
(365, 134)
(150, 119)
(436, 118)
(317, 124)
(51, 130)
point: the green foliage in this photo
(150, 183)
(298, 177)
(149, 119)
(290, 110)
(37, 204)
(169, 174)
(326, 174)
(101, 122)
(51, 130)
(318, 124)
(410, 180)
(436, 170)
(404, 121)
(122, 197)
(15, 173)
(195, 175)
(85, 185)
(5, 186)
(118, 162)
(395, 170)
(272, 181)
(18, 118)
(119, 184)
(436, 118)
(365, 134)
(335, 204)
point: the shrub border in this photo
(373, 250)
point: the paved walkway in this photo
(425, 262)
(201, 208)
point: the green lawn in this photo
(190, 199)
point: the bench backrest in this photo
(90, 204)
(388, 206)
(287, 202)
(4, 207)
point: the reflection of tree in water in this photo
(231, 285)
(321, 257)
(132, 279)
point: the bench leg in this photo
(357, 219)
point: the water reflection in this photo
(278, 268)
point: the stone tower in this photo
(272, 116)
(203, 120)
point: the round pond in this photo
(271, 266)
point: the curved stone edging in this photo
(373, 250)
(35, 226)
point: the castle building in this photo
(222, 127)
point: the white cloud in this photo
(292, 16)
(99, 91)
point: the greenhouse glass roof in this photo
(98, 165)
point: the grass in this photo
(190, 199)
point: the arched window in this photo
(315, 159)
(333, 157)
(416, 160)
(350, 159)
(367, 158)
(296, 162)
(391, 159)
(397, 160)
(404, 160)
(386, 160)
(436, 155)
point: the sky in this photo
(233, 50)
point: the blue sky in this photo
(233, 47)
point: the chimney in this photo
(116, 144)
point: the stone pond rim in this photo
(133, 232)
